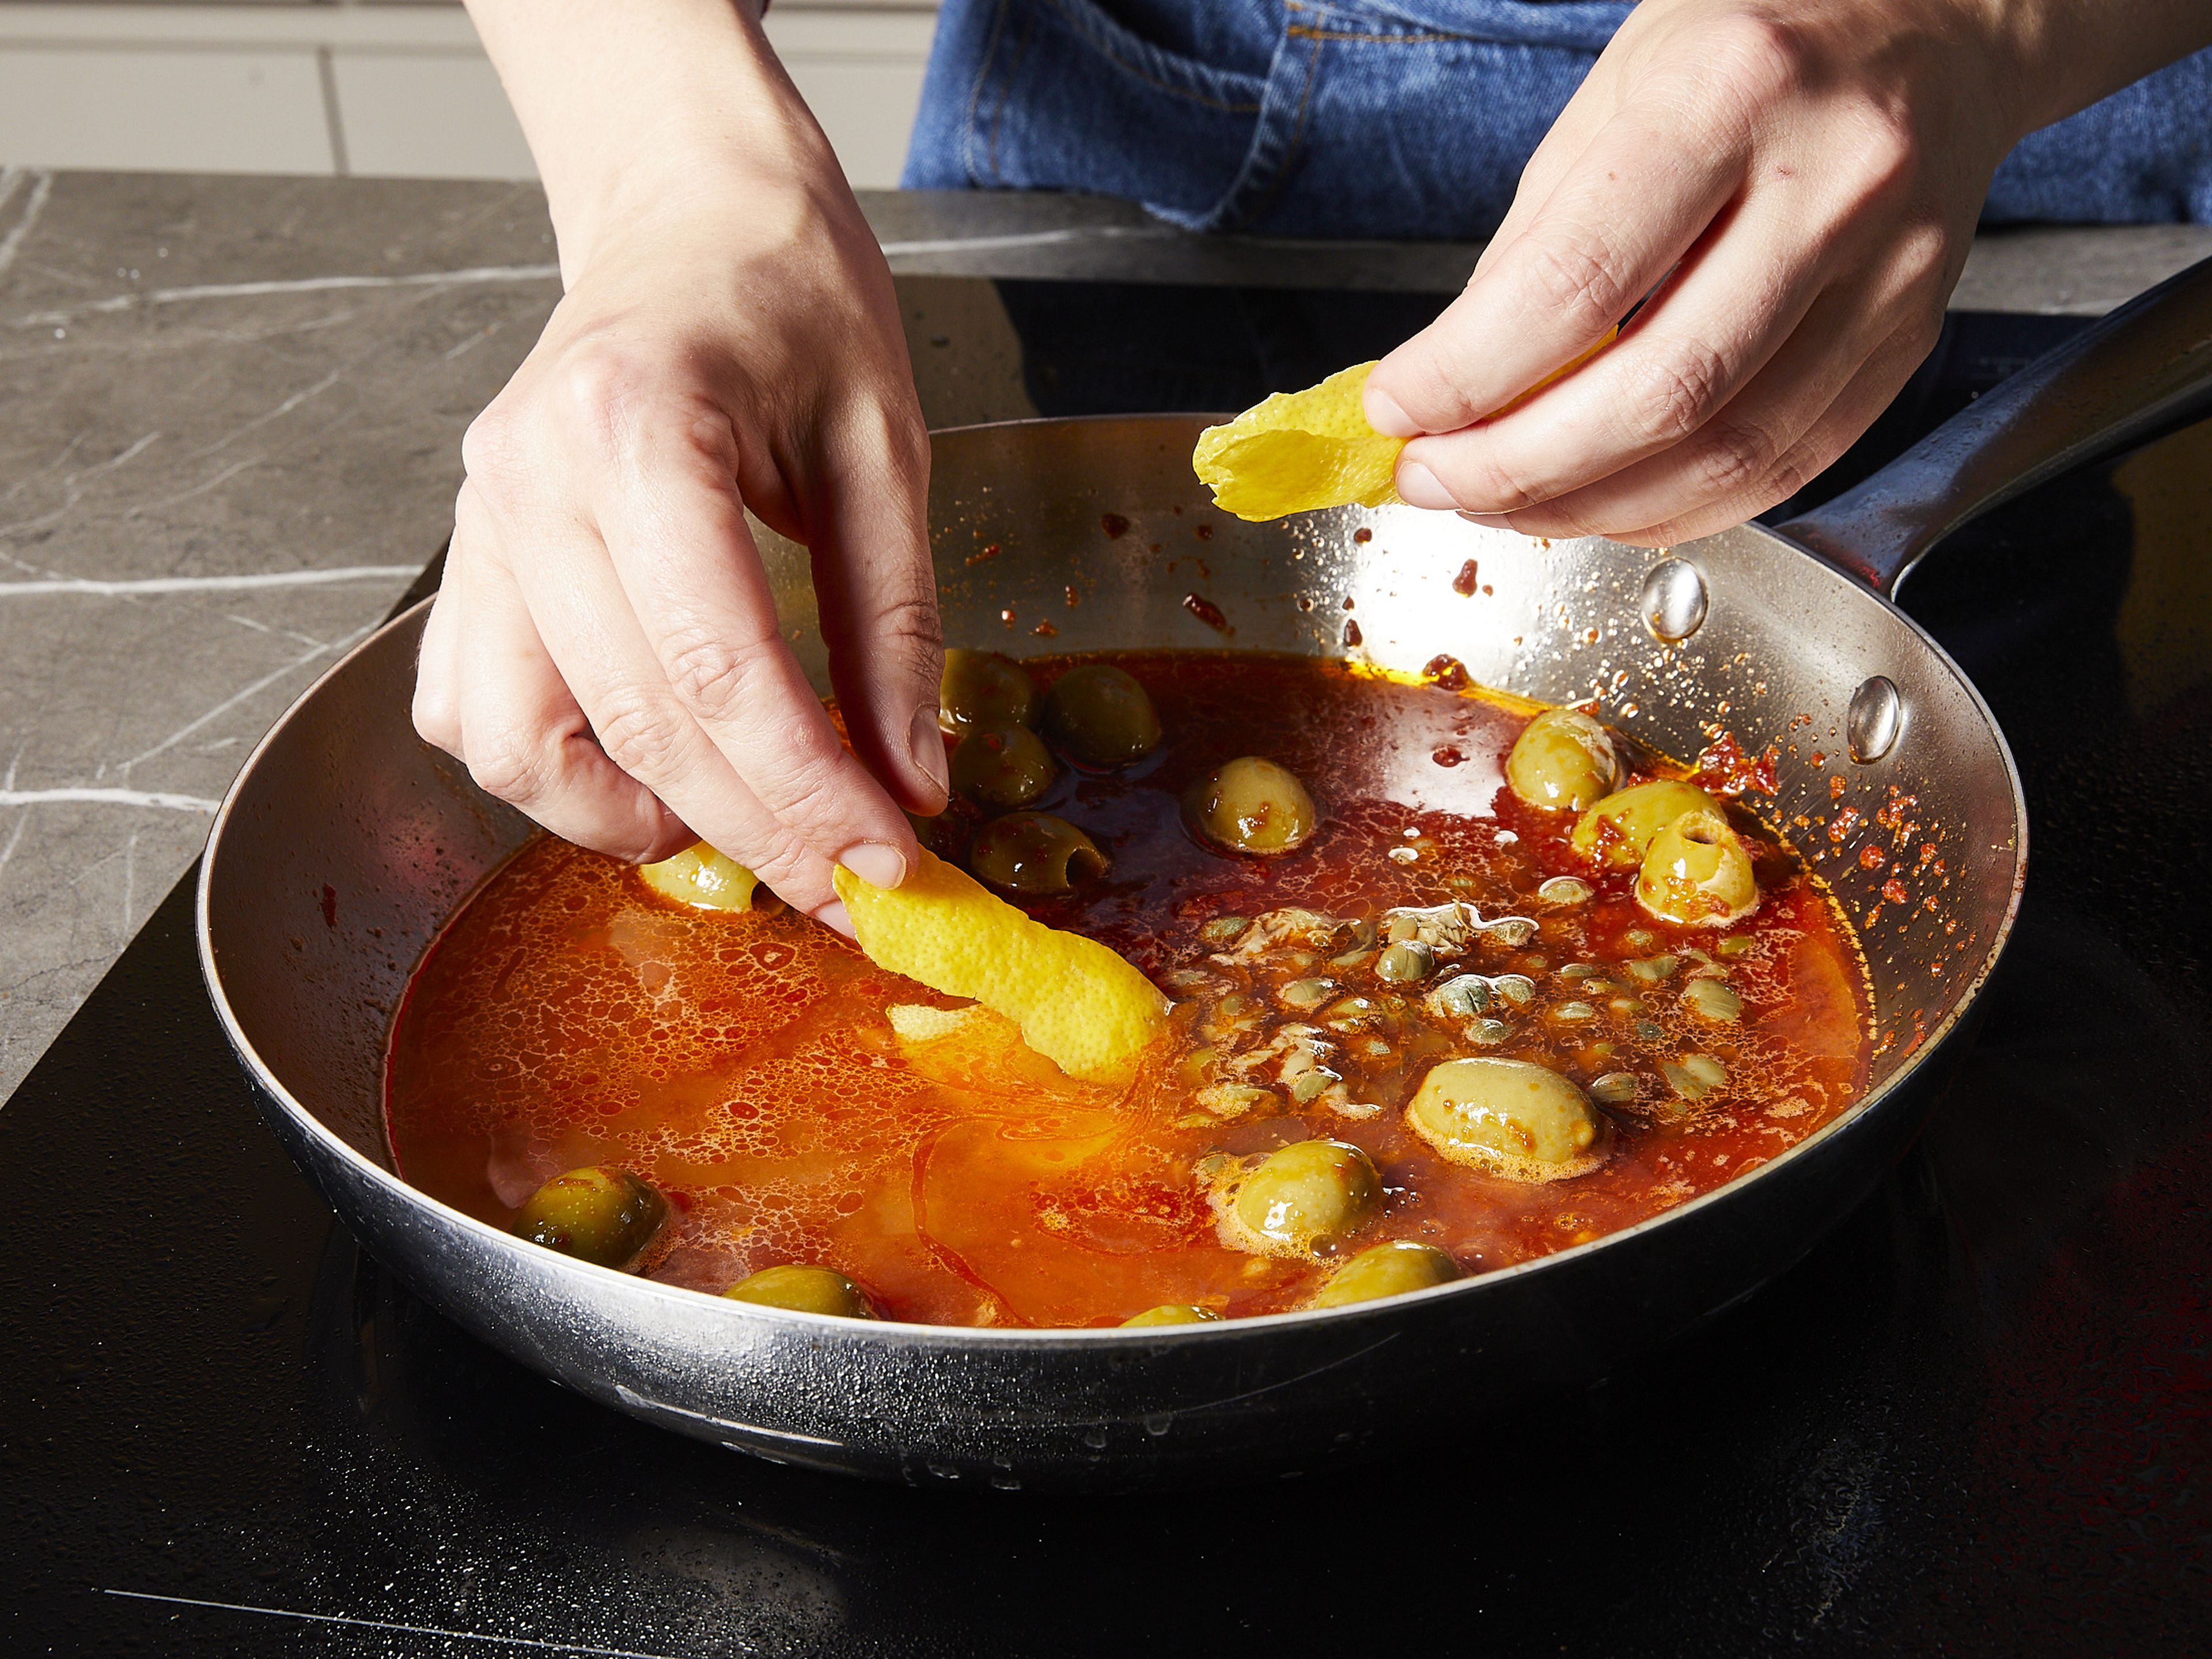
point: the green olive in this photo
(1252, 806)
(1172, 1313)
(982, 688)
(1513, 1116)
(608, 1216)
(1002, 766)
(1618, 831)
(805, 1290)
(1307, 1193)
(1697, 872)
(1100, 717)
(1034, 852)
(1563, 761)
(1390, 1269)
(702, 877)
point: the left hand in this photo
(1795, 183)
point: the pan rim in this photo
(959, 1337)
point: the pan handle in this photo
(2145, 369)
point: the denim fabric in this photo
(1392, 118)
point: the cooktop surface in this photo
(1975, 1419)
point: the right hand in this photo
(604, 654)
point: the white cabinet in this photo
(397, 90)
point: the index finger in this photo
(1619, 219)
(667, 508)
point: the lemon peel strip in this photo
(704, 878)
(1077, 1003)
(1297, 452)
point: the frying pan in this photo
(346, 843)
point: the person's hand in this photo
(1797, 179)
(604, 654)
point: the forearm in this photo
(628, 104)
(2069, 53)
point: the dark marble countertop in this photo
(230, 414)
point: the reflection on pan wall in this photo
(395, 88)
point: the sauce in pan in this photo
(744, 1064)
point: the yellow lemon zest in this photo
(703, 877)
(1297, 451)
(1078, 1004)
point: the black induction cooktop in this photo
(1977, 1419)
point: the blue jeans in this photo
(1409, 119)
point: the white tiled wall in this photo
(395, 88)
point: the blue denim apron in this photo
(1411, 118)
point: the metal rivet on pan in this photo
(1674, 600)
(1876, 717)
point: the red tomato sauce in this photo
(568, 1015)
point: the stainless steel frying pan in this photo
(346, 843)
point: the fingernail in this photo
(1489, 521)
(875, 862)
(1418, 487)
(929, 749)
(833, 916)
(1387, 417)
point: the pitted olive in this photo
(1002, 766)
(1390, 1269)
(982, 688)
(1171, 1312)
(1697, 872)
(1564, 760)
(1098, 716)
(1618, 831)
(608, 1215)
(1510, 1116)
(1034, 852)
(701, 877)
(803, 1289)
(1252, 806)
(1309, 1194)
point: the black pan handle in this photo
(2144, 370)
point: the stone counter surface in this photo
(230, 418)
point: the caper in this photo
(1562, 760)
(1461, 997)
(803, 1289)
(1710, 999)
(1222, 929)
(1694, 1077)
(1652, 969)
(1405, 961)
(1614, 1088)
(1578, 970)
(1565, 890)
(1307, 1194)
(1382, 1270)
(1002, 766)
(1306, 993)
(1484, 1033)
(1251, 805)
(1227, 1100)
(608, 1215)
(1619, 830)
(1573, 1013)
(1520, 1119)
(1034, 852)
(1172, 1313)
(1517, 988)
(982, 688)
(1697, 872)
(1639, 938)
(702, 877)
(1099, 716)
(1735, 946)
